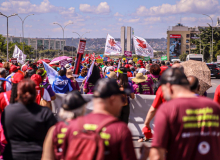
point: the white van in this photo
(195, 57)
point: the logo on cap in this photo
(203, 147)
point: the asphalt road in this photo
(210, 94)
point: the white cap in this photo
(142, 70)
(67, 66)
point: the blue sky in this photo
(150, 19)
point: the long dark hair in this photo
(123, 78)
(140, 88)
(14, 95)
(95, 76)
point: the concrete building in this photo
(40, 43)
(123, 39)
(178, 40)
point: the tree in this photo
(204, 40)
(183, 56)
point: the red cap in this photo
(24, 68)
(127, 66)
(17, 77)
(37, 79)
(147, 132)
(13, 68)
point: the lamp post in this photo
(212, 36)
(63, 28)
(23, 28)
(82, 34)
(7, 28)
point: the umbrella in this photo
(199, 70)
(58, 59)
(45, 60)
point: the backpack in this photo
(88, 145)
(39, 95)
(155, 85)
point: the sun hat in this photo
(69, 73)
(112, 75)
(139, 78)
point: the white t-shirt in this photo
(104, 69)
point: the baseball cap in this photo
(17, 77)
(67, 66)
(130, 61)
(37, 79)
(142, 70)
(73, 100)
(107, 87)
(127, 66)
(174, 76)
(13, 68)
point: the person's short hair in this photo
(106, 63)
(111, 63)
(194, 84)
(6, 65)
(62, 71)
(155, 69)
(162, 62)
(0, 61)
(138, 65)
(176, 62)
(2, 71)
(29, 73)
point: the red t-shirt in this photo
(188, 128)
(159, 98)
(120, 142)
(162, 69)
(3, 101)
(217, 95)
(1, 65)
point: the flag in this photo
(21, 57)
(92, 57)
(90, 71)
(142, 48)
(112, 47)
(51, 73)
(118, 68)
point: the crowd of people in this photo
(186, 123)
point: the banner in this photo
(13, 60)
(21, 57)
(147, 58)
(51, 73)
(128, 53)
(164, 58)
(63, 62)
(112, 47)
(99, 61)
(80, 52)
(105, 58)
(142, 48)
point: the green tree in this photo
(204, 40)
(182, 57)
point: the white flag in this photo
(112, 47)
(21, 57)
(142, 48)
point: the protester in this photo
(110, 66)
(111, 69)
(25, 124)
(83, 73)
(90, 83)
(13, 70)
(107, 104)
(138, 67)
(130, 63)
(67, 66)
(74, 83)
(143, 71)
(183, 129)
(155, 76)
(45, 84)
(129, 74)
(73, 105)
(62, 84)
(104, 68)
(147, 67)
(142, 84)
(7, 66)
(30, 72)
(11, 95)
(1, 64)
(163, 67)
(124, 85)
(5, 85)
(133, 71)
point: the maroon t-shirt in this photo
(120, 143)
(188, 128)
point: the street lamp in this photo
(23, 28)
(212, 35)
(63, 32)
(7, 28)
(82, 34)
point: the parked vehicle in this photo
(195, 57)
(214, 68)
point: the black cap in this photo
(107, 87)
(73, 100)
(174, 76)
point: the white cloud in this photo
(135, 20)
(102, 8)
(28, 26)
(118, 15)
(182, 6)
(70, 11)
(25, 6)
